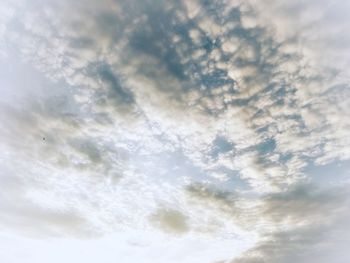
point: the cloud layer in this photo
(193, 120)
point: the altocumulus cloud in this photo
(203, 125)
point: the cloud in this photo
(192, 117)
(307, 224)
(170, 220)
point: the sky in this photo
(174, 131)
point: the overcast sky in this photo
(165, 131)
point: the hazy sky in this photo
(163, 131)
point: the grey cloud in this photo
(107, 76)
(225, 202)
(170, 220)
(115, 86)
(304, 203)
(303, 245)
(30, 219)
(305, 223)
(310, 224)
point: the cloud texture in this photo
(197, 122)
